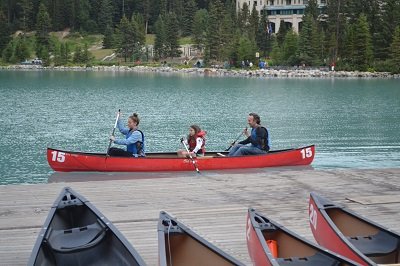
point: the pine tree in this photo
(312, 9)
(263, 34)
(363, 47)
(190, 9)
(276, 53)
(26, 14)
(247, 49)
(228, 37)
(389, 18)
(108, 40)
(82, 15)
(253, 22)
(172, 30)
(58, 55)
(105, 15)
(138, 26)
(335, 23)
(4, 32)
(290, 46)
(308, 51)
(243, 17)
(43, 26)
(200, 28)
(77, 54)
(280, 36)
(214, 42)
(22, 52)
(8, 52)
(348, 47)
(395, 51)
(160, 38)
(127, 42)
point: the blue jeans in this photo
(240, 150)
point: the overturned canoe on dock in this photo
(271, 244)
(67, 161)
(178, 246)
(76, 233)
(352, 235)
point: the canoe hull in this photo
(178, 245)
(327, 233)
(258, 251)
(76, 233)
(66, 161)
(289, 248)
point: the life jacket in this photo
(137, 147)
(265, 143)
(192, 142)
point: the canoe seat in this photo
(76, 239)
(316, 260)
(379, 244)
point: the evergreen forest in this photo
(350, 34)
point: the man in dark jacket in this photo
(258, 139)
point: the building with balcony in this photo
(289, 11)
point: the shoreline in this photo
(258, 73)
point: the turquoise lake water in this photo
(355, 123)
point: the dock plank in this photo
(213, 204)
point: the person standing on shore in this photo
(258, 139)
(134, 139)
(196, 142)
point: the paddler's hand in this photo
(246, 132)
(182, 139)
(112, 138)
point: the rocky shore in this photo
(259, 73)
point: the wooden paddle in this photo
(234, 142)
(190, 156)
(113, 132)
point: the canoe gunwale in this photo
(323, 204)
(157, 154)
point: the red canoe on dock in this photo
(67, 161)
(271, 244)
(351, 235)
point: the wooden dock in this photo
(214, 204)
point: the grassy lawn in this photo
(150, 38)
(101, 53)
(185, 40)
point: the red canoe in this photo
(351, 235)
(67, 161)
(271, 244)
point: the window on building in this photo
(255, 3)
(305, 2)
(286, 12)
(272, 2)
(288, 2)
